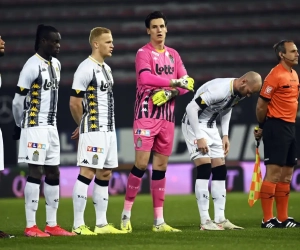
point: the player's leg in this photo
(162, 148)
(3, 234)
(80, 190)
(275, 156)
(51, 184)
(144, 132)
(108, 162)
(203, 166)
(218, 188)
(282, 191)
(32, 150)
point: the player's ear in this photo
(148, 31)
(95, 44)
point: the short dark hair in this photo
(155, 15)
(280, 47)
(42, 31)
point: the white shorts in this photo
(213, 140)
(39, 146)
(98, 150)
(1, 152)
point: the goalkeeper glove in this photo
(185, 83)
(161, 97)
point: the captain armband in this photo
(77, 93)
(201, 103)
(21, 91)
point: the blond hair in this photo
(96, 32)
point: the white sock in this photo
(126, 213)
(79, 202)
(202, 195)
(51, 193)
(218, 193)
(100, 200)
(32, 195)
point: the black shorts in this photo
(280, 146)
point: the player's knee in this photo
(219, 173)
(286, 178)
(141, 165)
(204, 171)
(273, 173)
(104, 174)
(35, 172)
(52, 172)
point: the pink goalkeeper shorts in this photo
(153, 135)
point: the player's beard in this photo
(2, 53)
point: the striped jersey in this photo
(40, 79)
(96, 82)
(219, 97)
(166, 64)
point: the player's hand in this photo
(202, 146)
(17, 133)
(161, 97)
(226, 144)
(185, 83)
(257, 133)
(75, 134)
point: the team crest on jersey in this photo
(95, 159)
(35, 155)
(268, 90)
(171, 59)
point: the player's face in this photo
(246, 90)
(51, 46)
(291, 56)
(157, 30)
(2, 47)
(105, 45)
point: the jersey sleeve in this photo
(269, 87)
(81, 80)
(142, 61)
(28, 75)
(212, 94)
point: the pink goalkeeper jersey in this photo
(163, 66)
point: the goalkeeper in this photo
(160, 76)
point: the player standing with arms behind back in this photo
(160, 76)
(34, 110)
(97, 148)
(276, 113)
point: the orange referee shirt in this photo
(281, 87)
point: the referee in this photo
(276, 112)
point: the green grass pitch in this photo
(180, 212)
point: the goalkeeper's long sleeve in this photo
(153, 80)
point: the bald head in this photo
(249, 83)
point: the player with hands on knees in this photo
(207, 150)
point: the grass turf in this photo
(180, 212)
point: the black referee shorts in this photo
(280, 146)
